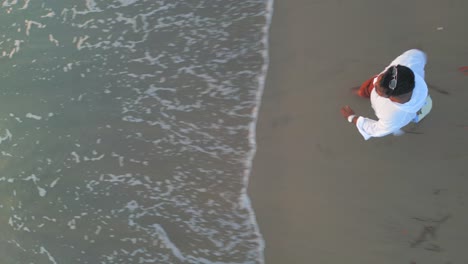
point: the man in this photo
(397, 95)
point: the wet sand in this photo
(321, 193)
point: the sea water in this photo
(127, 130)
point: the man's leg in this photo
(366, 88)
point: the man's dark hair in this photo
(405, 81)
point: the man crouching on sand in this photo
(397, 96)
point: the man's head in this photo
(395, 81)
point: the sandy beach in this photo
(321, 193)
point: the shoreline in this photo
(320, 193)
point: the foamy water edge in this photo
(253, 132)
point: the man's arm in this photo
(374, 128)
(368, 127)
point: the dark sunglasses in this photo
(393, 82)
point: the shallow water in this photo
(127, 130)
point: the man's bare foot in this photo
(355, 90)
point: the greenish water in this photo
(126, 130)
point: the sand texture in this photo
(324, 195)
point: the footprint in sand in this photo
(427, 238)
(281, 121)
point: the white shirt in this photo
(393, 116)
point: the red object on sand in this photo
(464, 70)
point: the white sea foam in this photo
(53, 40)
(91, 5)
(26, 3)
(52, 185)
(7, 3)
(127, 2)
(51, 258)
(80, 42)
(29, 23)
(252, 131)
(42, 191)
(76, 157)
(7, 136)
(32, 116)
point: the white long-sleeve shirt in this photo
(393, 116)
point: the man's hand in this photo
(346, 111)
